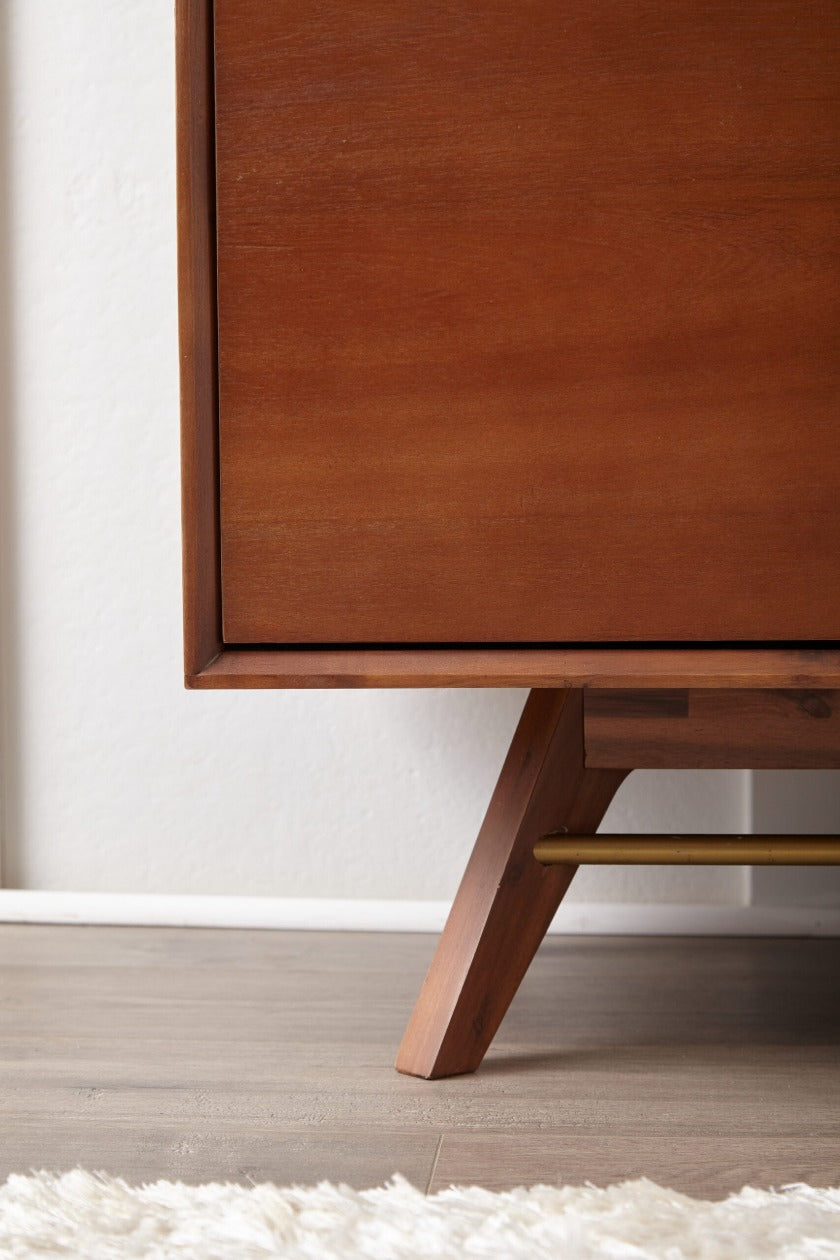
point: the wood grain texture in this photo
(797, 728)
(220, 1054)
(197, 334)
(506, 900)
(196, 1148)
(528, 320)
(707, 1167)
(592, 667)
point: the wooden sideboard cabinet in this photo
(509, 350)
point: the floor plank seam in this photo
(434, 1165)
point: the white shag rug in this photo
(92, 1217)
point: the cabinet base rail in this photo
(692, 850)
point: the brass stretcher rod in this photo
(716, 850)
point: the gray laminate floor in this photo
(215, 1055)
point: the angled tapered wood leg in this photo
(506, 900)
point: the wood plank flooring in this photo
(232, 1055)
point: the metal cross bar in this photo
(713, 850)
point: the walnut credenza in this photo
(509, 350)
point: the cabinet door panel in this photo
(528, 320)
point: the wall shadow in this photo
(10, 795)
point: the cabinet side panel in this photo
(197, 333)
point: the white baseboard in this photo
(348, 915)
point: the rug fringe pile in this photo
(92, 1216)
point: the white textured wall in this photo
(116, 779)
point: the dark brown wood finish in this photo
(528, 320)
(506, 899)
(660, 730)
(197, 334)
(526, 335)
(806, 668)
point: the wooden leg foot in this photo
(507, 900)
